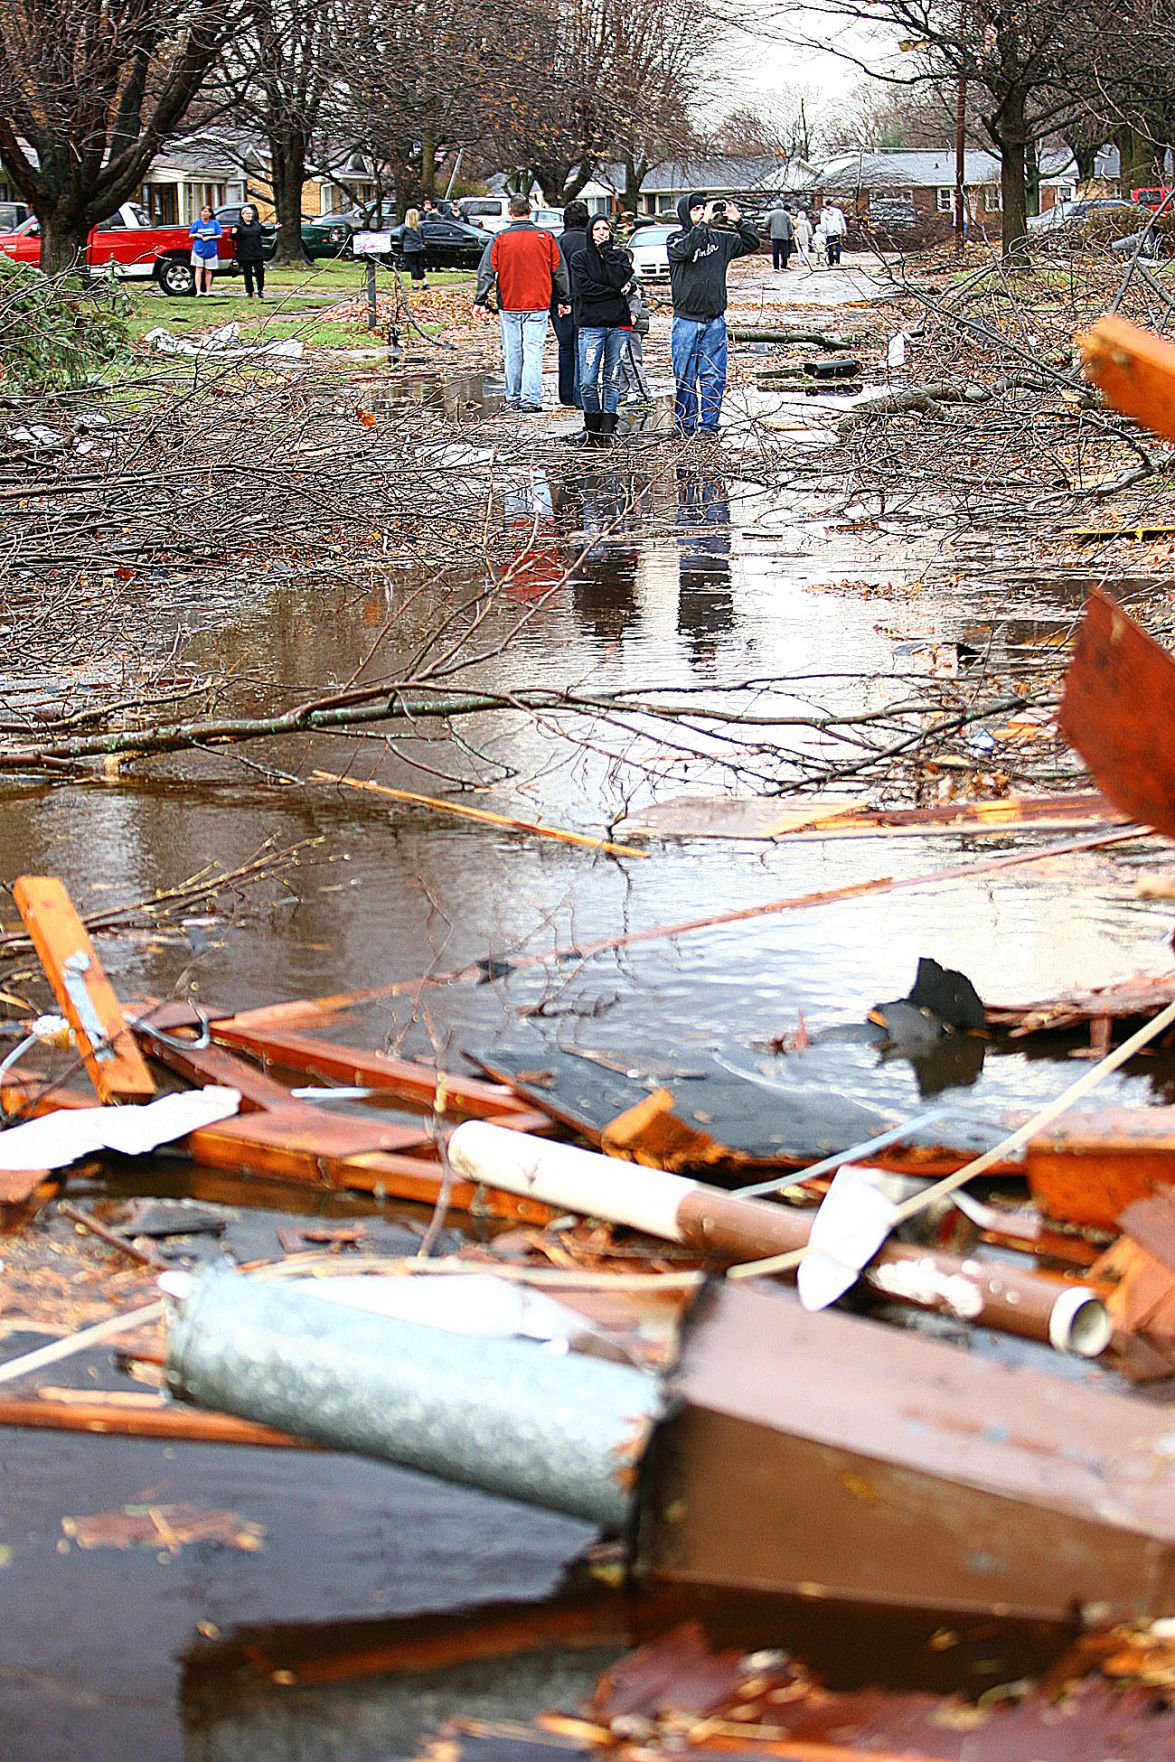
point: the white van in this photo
(492, 214)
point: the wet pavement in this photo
(677, 577)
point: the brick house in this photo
(924, 180)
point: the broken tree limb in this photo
(747, 333)
(926, 400)
(483, 814)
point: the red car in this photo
(129, 243)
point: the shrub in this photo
(53, 337)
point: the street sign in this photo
(371, 244)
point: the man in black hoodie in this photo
(572, 240)
(698, 256)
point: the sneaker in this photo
(530, 409)
(511, 404)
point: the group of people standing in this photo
(806, 234)
(586, 282)
(206, 234)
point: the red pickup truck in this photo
(130, 247)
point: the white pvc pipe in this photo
(582, 1181)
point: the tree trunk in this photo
(633, 177)
(288, 159)
(1014, 197)
(63, 243)
(428, 161)
(1135, 153)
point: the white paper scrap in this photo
(853, 1221)
(56, 1139)
(474, 1303)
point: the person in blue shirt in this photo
(205, 235)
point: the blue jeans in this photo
(523, 336)
(599, 366)
(698, 348)
(564, 328)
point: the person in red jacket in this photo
(525, 263)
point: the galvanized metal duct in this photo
(566, 1432)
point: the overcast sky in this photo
(775, 68)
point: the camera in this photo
(717, 208)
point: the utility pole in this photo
(960, 162)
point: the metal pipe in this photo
(728, 1227)
(564, 1432)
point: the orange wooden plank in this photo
(1134, 370)
(1089, 1167)
(112, 1059)
(414, 1084)
(275, 1144)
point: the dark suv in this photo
(229, 215)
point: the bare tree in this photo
(89, 92)
(1031, 64)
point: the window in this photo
(944, 200)
(991, 198)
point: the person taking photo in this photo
(712, 234)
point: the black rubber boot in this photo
(606, 430)
(587, 435)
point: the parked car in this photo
(329, 235)
(128, 246)
(13, 214)
(492, 214)
(448, 244)
(648, 251)
(1152, 198)
(1082, 209)
(229, 215)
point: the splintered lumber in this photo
(1134, 370)
(1127, 999)
(134, 1415)
(809, 818)
(1119, 707)
(280, 1145)
(416, 1085)
(461, 809)
(292, 1140)
(113, 1061)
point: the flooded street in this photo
(679, 576)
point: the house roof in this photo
(728, 172)
(922, 168)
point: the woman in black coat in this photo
(601, 279)
(412, 247)
(248, 250)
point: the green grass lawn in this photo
(295, 296)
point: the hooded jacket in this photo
(597, 276)
(698, 256)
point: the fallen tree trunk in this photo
(745, 333)
(927, 400)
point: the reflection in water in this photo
(596, 511)
(705, 600)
